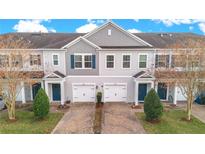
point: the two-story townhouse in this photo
(108, 59)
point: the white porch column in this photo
(152, 84)
(175, 95)
(42, 85)
(46, 89)
(23, 97)
(62, 93)
(136, 92)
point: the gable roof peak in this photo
(120, 29)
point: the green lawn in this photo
(26, 124)
(171, 123)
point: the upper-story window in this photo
(83, 61)
(142, 61)
(110, 60)
(55, 59)
(88, 61)
(17, 61)
(126, 61)
(35, 60)
(4, 60)
(78, 61)
(162, 61)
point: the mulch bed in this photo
(136, 107)
(97, 124)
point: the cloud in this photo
(32, 26)
(91, 25)
(171, 22)
(191, 28)
(86, 28)
(202, 27)
(133, 30)
(136, 20)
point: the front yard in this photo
(26, 124)
(172, 123)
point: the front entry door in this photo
(142, 91)
(35, 88)
(56, 92)
(162, 91)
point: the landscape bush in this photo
(41, 104)
(153, 107)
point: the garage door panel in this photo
(115, 93)
(83, 93)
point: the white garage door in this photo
(83, 92)
(115, 92)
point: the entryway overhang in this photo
(55, 86)
(144, 81)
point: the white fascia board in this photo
(79, 39)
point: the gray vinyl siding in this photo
(117, 38)
(81, 47)
(118, 70)
(99, 81)
(48, 61)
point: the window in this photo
(35, 60)
(83, 61)
(142, 61)
(55, 59)
(126, 61)
(4, 60)
(78, 61)
(110, 61)
(17, 61)
(88, 61)
(162, 61)
(109, 32)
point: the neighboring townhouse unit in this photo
(108, 59)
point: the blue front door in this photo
(56, 92)
(162, 91)
(142, 91)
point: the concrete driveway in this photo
(78, 120)
(119, 118)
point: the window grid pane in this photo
(126, 61)
(110, 61)
(55, 59)
(78, 61)
(88, 61)
(143, 61)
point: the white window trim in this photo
(36, 54)
(83, 60)
(141, 54)
(161, 54)
(109, 54)
(53, 59)
(125, 54)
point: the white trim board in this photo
(78, 40)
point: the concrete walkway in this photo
(78, 120)
(119, 118)
(199, 112)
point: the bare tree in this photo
(187, 69)
(14, 69)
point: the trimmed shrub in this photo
(153, 108)
(99, 97)
(41, 104)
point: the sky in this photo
(86, 25)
